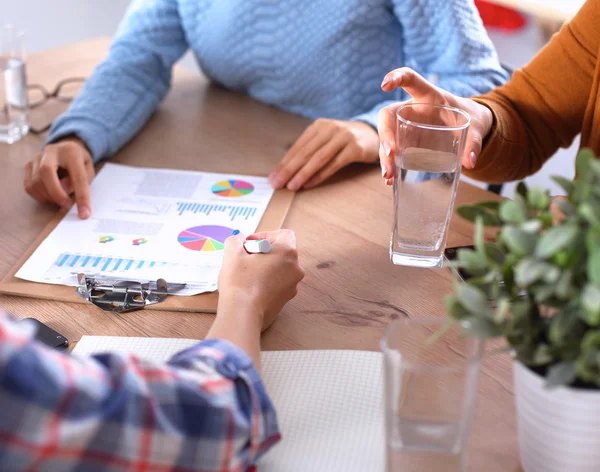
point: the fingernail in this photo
(235, 232)
(473, 159)
(293, 186)
(84, 212)
(385, 82)
(389, 182)
(387, 147)
(65, 204)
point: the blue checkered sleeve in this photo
(205, 410)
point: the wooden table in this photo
(351, 290)
(559, 10)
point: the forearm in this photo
(126, 88)
(543, 106)
(209, 398)
(239, 321)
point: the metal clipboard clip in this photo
(121, 296)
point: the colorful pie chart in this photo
(208, 238)
(232, 188)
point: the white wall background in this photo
(53, 23)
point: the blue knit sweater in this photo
(316, 58)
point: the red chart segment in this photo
(232, 188)
(208, 238)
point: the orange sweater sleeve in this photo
(543, 106)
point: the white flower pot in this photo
(559, 429)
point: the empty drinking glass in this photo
(430, 383)
(13, 85)
(430, 141)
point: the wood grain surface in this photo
(351, 290)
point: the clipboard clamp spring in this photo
(121, 296)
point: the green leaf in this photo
(590, 300)
(473, 299)
(556, 239)
(454, 308)
(566, 184)
(519, 242)
(562, 325)
(494, 253)
(512, 211)
(472, 261)
(564, 287)
(471, 213)
(563, 373)
(522, 189)
(538, 198)
(552, 274)
(531, 226)
(595, 167)
(502, 310)
(590, 213)
(544, 293)
(593, 265)
(564, 206)
(542, 355)
(582, 163)
(529, 271)
(479, 238)
(489, 204)
(481, 328)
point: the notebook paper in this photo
(329, 403)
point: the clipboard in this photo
(272, 219)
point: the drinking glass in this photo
(430, 143)
(13, 85)
(431, 374)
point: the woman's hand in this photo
(263, 282)
(43, 183)
(324, 148)
(422, 91)
(253, 289)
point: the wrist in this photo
(73, 138)
(240, 305)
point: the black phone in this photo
(48, 336)
(451, 254)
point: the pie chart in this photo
(208, 238)
(232, 188)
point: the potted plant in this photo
(538, 287)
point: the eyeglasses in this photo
(65, 91)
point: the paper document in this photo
(148, 224)
(329, 403)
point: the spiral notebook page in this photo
(329, 403)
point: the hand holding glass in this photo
(430, 143)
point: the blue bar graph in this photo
(91, 263)
(233, 211)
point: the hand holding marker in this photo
(256, 246)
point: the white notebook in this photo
(329, 403)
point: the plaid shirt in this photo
(205, 410)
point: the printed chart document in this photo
(329, 403)
(148, 224)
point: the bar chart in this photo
(82, 263)
(233, 211)
(66, 266)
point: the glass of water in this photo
(430, 142)
(431, 375)
(13, 85)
